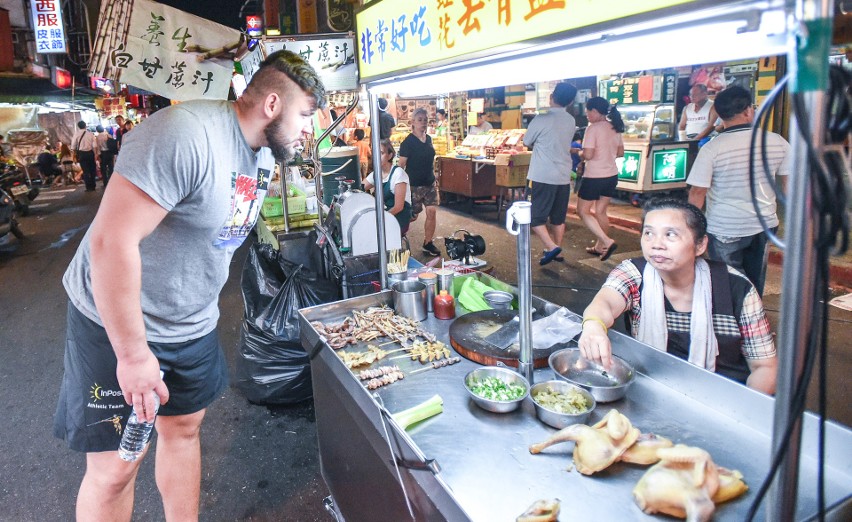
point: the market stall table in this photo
(470, 464)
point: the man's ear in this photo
(272, 105)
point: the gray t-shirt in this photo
(193, 160)
(550, 135)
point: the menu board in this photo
(640, 89)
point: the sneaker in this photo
(430, 249)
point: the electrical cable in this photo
(828, 197)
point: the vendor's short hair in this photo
(81, 124)
(732, 101)
(359, 134)
(695, 219)
(383, 104)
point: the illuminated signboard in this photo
(254, 25)
(669, 166)
(332, 58)
(640, 89)
(628, 166)
(47, 23)
(394, 35)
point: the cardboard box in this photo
(273, 207)
(511, 176)
(522, 158)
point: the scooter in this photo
(8, 223)
(17, 184)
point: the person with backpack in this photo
(705, 312)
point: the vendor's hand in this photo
(595, 345)
(138, 377)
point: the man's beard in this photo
(280, 151)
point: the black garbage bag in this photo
(273, 368)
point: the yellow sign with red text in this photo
(395, 35)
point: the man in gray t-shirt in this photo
(144, 284)
(550, 136)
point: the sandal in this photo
(594, 251)
(608, 252)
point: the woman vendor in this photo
(705, 312)
(396, 190)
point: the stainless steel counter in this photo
(467, 463)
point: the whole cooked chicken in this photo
(598, 446)
(644, 451)
(685, 483)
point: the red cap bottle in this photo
(444, 306)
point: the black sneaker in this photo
(430, 249)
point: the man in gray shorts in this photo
(186, 189)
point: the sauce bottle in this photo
(444, 306)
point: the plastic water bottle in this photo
(137, 433)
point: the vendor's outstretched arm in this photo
(763, 374)
(116, 284)
(604, 308)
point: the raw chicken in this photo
(685, 483)
(597, 446)
(541, 511)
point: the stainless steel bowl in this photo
(605, 385)
(498, 299)
(554, 418)
(507, 376)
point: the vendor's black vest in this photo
(730, 362)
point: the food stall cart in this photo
(467, 464)
(654, 158)
(470, 464)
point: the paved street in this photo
(259, 463)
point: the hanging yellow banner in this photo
(395, 35)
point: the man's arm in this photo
(682, 124)
(697, 195)
(711, 124)
(117, 286)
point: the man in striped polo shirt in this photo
(719, 176)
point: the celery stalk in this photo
(422, 411)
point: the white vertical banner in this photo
(49, 31)
(163, 53)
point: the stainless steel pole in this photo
(375, 142)
(799, 269)
(520, 214)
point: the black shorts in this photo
(549, 201)
(91, 411)
(592, 189)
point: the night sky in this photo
(225, 12)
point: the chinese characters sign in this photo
(628, 166)
(640, 89)
(160, 54)
(47, 22)
(332, 58)
(669, 166)
(393, 35)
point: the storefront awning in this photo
(40, 90)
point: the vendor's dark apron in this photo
(730, 362)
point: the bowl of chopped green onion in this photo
(496, 389)
(560, 404)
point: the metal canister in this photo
(430, 280)
(445, 280)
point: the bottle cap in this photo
(442, 292)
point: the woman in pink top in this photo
(601, 145)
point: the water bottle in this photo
(137, 433)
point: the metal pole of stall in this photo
(375, 143)
(799, 269)
(518, 219)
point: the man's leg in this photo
(106, 492)
(431, 224)
(178, 464)
(755, 257)
(729, 253)
(541, 232)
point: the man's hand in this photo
(137, 379)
